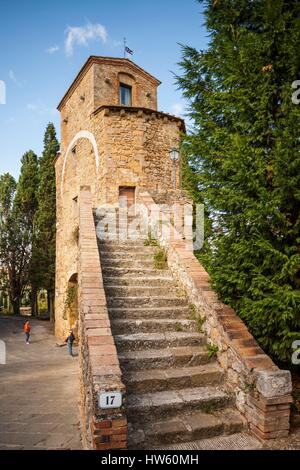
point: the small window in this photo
(125, 95)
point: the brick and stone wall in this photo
(105, 146)
(134, 147)
(108, 74)
(262, 390)
(102, 429)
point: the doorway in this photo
(126, 196)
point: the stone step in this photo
(142, 291)
(127, 263)
(132, 244)
(148, 312)
(156, 380)
(110, 219)
(184, 356)
(139, 341)
(116, 227)
(148, 407)
(147, 301)
(134, 272)
(128, 248)
(138, 255)
(121, 240)
(139, 281)
(185, 427)
(115, 213)
(128, 325)
(124, 221)
(119, 233)
(237, 441)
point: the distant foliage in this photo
(28, 226)
(244, 161)
(43, 265)
(17, 209)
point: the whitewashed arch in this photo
(80, 135)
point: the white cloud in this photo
(41, 109)
(52, 50)
(81, 35)
(14, 79)
(177, 109)
(115, 43)
(32, 107)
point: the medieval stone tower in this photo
(157, 348)
(114, 140)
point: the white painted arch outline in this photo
(80, 135)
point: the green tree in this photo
(27, 204)
(15, 243)
(43, 256)
(26, 194)
(246, 149)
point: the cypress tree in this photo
(26, 194)
(246, 152)
(43, 265)
(26, 203)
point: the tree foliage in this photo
(245, 155)
(17, 206)
(43, 262)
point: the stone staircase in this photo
(176, 393)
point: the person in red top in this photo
(27, 329)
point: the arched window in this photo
(126, 89)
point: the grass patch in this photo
(178, 327)
(208, 408)
(180, 292)
(160, 259)
(150, 241)
(212, 350)
(194, 315)
(200, 322)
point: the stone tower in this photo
(115, 141)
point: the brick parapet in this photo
(102, 429)
(262, 390)
(147, 113)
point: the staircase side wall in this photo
(102, 429)
(262, 390)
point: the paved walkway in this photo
(39, 390)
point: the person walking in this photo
(70, 340)
(27, 329)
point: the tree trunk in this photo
(15, 302)
(50, 299)
(34, 303)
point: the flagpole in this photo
(124, 48)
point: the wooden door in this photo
(126, 196)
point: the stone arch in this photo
(71, 303)
(126, 78)
(80, 135)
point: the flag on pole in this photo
(129, 51)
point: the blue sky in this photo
(43, 45)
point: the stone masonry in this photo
(134, 324)
(106, 146)
(262, 390)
